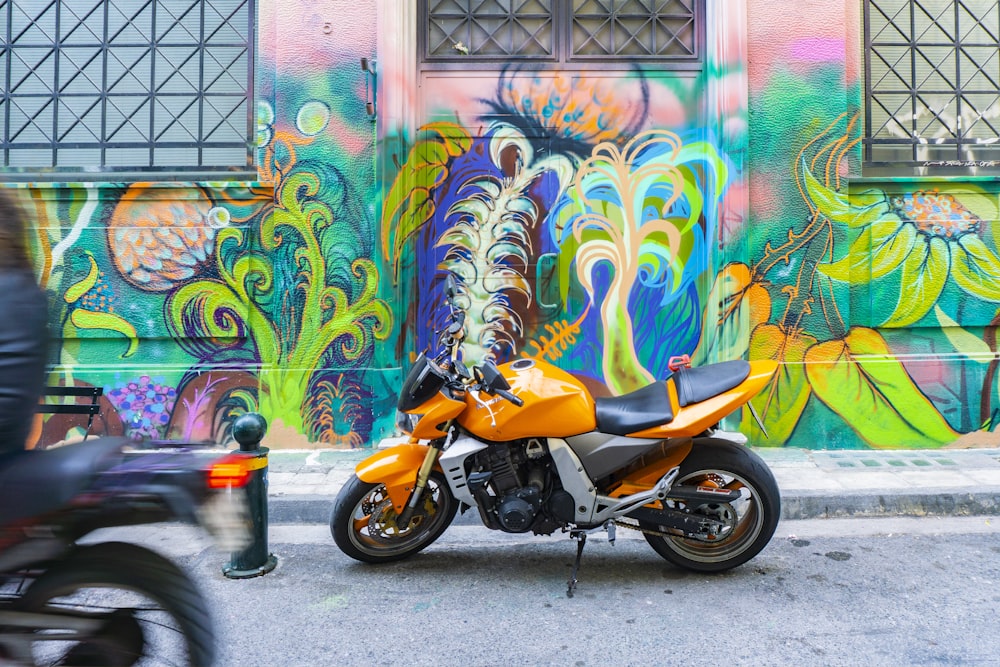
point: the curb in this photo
(926, 502)
(816, 484)
(315, 509)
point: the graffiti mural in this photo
(638, 218)
(107, 269)
(192, 303)
(255, 302)
(912, 259)
(879, 298)
(604, 220)
(580, 213)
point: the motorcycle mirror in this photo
(457, 324)
(450, 287)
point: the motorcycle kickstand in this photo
(581, 537)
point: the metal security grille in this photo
(126, 84)
(563, 31)
(489, 29)
(661, 30)
(932, 83)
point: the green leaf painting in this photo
(860, 379)
(784, 399)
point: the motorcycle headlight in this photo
(406, 422)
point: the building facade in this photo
(613, 182)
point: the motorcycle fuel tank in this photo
(556, 405)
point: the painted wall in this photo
(601, 221)
(880, 297)
(584, 213)
(192, 303)
(328, 318)
(124, 267)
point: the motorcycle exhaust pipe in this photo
(484, 501)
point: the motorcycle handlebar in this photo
(510, 397)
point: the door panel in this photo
(561, 206)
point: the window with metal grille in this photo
(126, 85)
(932, 83)
(563, 32)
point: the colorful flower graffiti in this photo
(637, 216)
(291, 309)
(876, 292)
(575, 234)
(929, 237)
(237, 296)
(145, 405)
(837, 300)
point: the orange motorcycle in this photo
(528, 446)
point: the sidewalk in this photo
(814, 484)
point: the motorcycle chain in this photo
(647, 531)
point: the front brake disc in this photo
(382, 525)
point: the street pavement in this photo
(889, 592)
(302, 484)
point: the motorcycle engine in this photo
(517, 509)
(518, 481)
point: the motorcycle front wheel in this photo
(364, 525)
(750, 521)
(118, 605)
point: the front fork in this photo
(423, 475)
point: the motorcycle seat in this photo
(695, 385)
(641, 409)
(36, 482)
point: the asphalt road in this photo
(826, 592)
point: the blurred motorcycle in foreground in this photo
(530, 449)
(63, 602)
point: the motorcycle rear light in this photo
(231, 471)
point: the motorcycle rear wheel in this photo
(753, 518)
(149, 611)
(363, 522)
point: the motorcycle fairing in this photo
(574, 480)
(396, 468)
(637, 489)
(437, 411)
(603, 452)
(452, 462)
(661, 460)
(424, 380)
(556, 404)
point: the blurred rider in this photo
(23, 330)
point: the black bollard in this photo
(254, 560)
